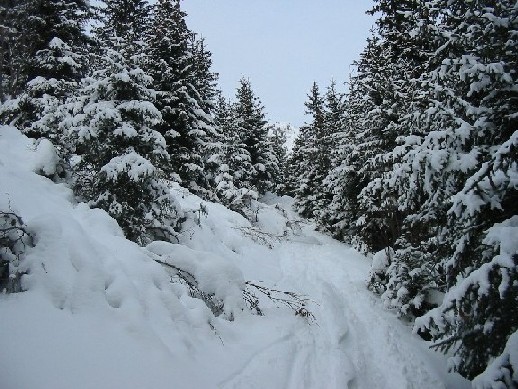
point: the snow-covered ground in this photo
(101, 312)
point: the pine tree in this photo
(401, 56)
(120, 154)
(296, 163)
(277, 136)
(52, 60)
(13, 47)
(233, 164)
(343, 179)
(412, 277)
(311, 156)
(178, 72)
(203, 78)
(252, 132)
(334, 125)
(365, 136)
(204, 82)
(126, 22)
(475, 151)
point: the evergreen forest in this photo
(415, 165)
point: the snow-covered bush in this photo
(377, 280)
(209, 277)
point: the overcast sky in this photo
(282, 46)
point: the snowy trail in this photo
(354, 343)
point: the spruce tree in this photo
(13, 47)
(177, 72)
(203, 78)
(475, 149)
(233, 164)
(125, 21)
(343, 179)
(334, 125)
(296, 163)
(277, 136)
(120, 160)
(52, 60)
(401, 57)
(412, 278)
(366, 135)
(252, 132)
(311, 156)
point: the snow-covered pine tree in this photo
(295, 164)
(334, 126)
(186, 119)
(343, 180)
(365, 138)
(252, 132)
(309, 180)
(13, 46)
(15, 239)
(399, 60)
(277, 134)
(204, 81)
(412, 278)
(203, 78)
(52, 60)
(232, 166)
(472, 158)
(127, 21)
(120, 155)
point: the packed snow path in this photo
(353, 343)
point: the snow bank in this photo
(213, 274)
(93, 292)
(18, 152)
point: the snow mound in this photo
(214, 275)
(38, 156)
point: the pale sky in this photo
(282, 46)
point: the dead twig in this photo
(297, 303)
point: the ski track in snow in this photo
(354, 342)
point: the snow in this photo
(38, 155)
(498, 375)
(291, 133)
(100, 311)
(381, 260)
(132, 164)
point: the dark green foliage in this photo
(314, 154)
(127, 21)
(278, 139)
(424, 168)
(252, 133)
(15, 239)
(180, 67)
(48, 47)
(310, 156)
